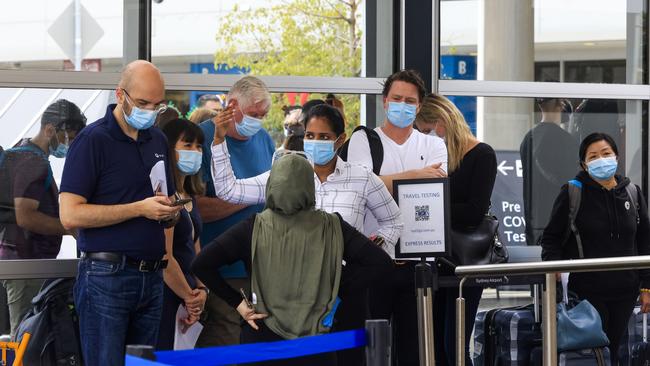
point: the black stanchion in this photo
(141, 351)
(426, 284)
(378, 348)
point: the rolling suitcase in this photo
(641, 351)
(633, 335)
(585, 357)
(478, 354)
(506, 337)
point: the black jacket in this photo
(608, 227)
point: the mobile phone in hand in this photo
(181, 201)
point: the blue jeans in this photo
(117, 305)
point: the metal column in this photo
(460, 325)
(549, 321)
(424, 284)
(137, 31)
(378, 349)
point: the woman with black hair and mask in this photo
(185, 141)
(610, 223)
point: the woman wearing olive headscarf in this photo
(294, 254)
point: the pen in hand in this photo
(246, 310)
(243, 294)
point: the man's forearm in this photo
(85, 216)
(40, 223)
(213, 209)
(388, 179)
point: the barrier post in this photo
(549, 320)
(141, 351)
(536, 303)
(378, 336)
(20, 350)
(460, 325)
(424, 284)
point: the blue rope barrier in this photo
(137, 361)
(257, 352)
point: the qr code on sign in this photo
(422, 213)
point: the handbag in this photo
(579, 326)
(479, 245)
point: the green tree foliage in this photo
(297, 38)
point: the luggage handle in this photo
(645, 327)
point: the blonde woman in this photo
(472, 169)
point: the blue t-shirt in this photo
(248, 158)
(107, 167)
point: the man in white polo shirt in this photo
(408, 154)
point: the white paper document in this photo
(188, 339)
(159, 178)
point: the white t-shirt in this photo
(417, 152)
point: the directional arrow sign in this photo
(62, 31)
(503, 168)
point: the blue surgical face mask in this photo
(602, 168)
(248, 125)
(140, 119)
(189, 161)
(320, 150)
(61, 149)
(401, 114)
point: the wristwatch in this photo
(380, 241)
(207, 290)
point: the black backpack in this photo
(53, 325)
(7, 210)
(376, 148)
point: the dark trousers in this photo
(615, 315)
(444, 322)
(396, 300)
(264, 334)
(350, 315)
(167, 328)
(117, 305)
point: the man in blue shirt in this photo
(115, 189)
(251, 151)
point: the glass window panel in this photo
(21, 119)
(296, 37)
(537, 141)
(598, 41)
(45, 39)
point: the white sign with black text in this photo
(424, 208)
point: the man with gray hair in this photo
(251, 152)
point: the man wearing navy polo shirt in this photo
(251, 151)
(115, 189)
